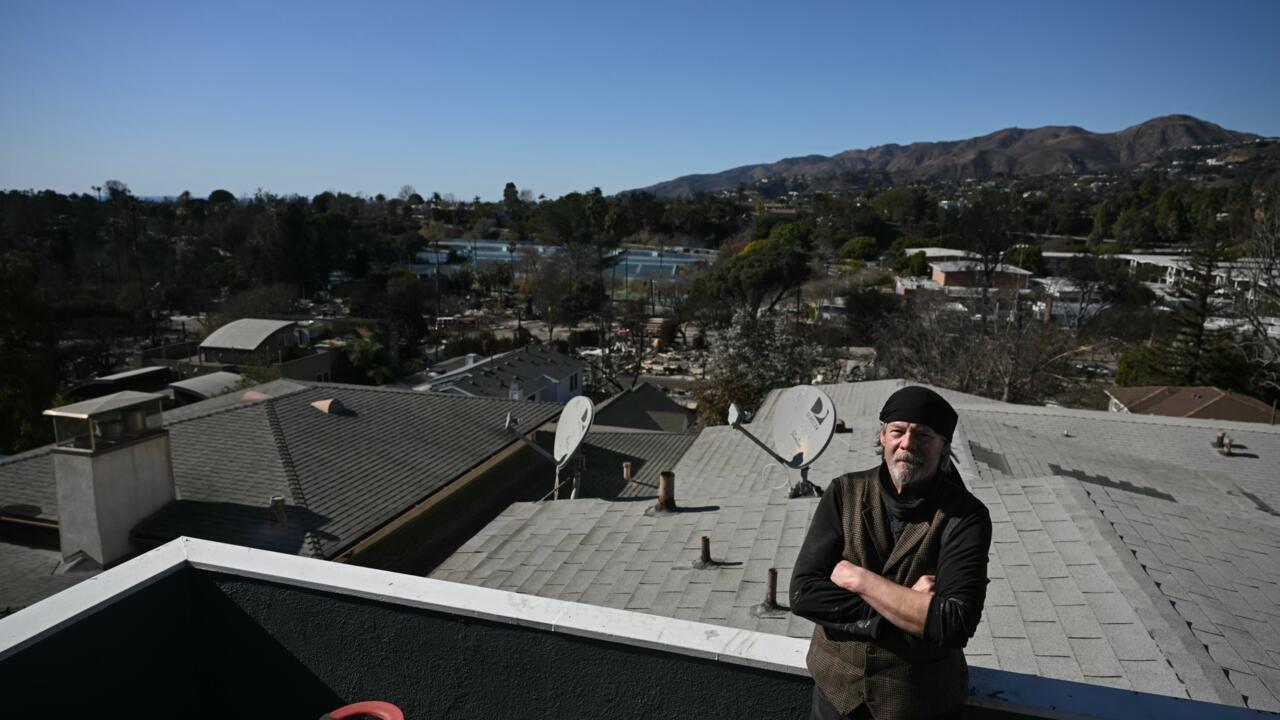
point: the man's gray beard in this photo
(907, 475)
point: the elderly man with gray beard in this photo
(893, 573)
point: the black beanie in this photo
(921, 405)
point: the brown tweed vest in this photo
(907, 681)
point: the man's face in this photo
(912, 451)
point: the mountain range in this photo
(1009, 152)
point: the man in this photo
(893, 572)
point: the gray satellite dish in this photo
(572, 427)
(804, 419)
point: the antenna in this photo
(571, 429)
(804, 419)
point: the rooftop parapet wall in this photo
(213, 629)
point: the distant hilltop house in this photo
(1204, 402)
(971, 274)
(533, 372)
(941, 254)
(255, 342)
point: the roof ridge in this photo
(232, 408)
(1156, 390)
(28, 454)
(1129, 417)
(291, 473)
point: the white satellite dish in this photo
(803, 421)
(572, 427)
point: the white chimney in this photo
(516, 392)
(112, 468)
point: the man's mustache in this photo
(908, 457)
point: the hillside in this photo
(1008, 152)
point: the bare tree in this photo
(1260, 304)
(1018, 358)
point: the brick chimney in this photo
(112, 468)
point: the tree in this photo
(1017, 358)
(406, 299)
(1189, 351)
(862, 247)
(985, 227)
(28, 380)
(753, 356)
(866, 308)
(1260, 304)
(221, 197)
(366, 355)
(765, 271)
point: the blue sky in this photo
(460, 98)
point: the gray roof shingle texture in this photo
(534, 366)
(650, 453)
(1126, 552)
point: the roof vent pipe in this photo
(666, 491)
(770, 607)
(279, 518)
(704, 560)
(666, 504)
(626, 471)
(1219, 440)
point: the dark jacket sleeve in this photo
(813, 595)
(960, 588)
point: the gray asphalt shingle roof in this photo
(605, 450)
(27, 576)
(534, 366)
(1126, 551)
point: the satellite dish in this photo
(572, 427)
(803, 423)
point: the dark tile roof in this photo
(644, 407)
(342, 475)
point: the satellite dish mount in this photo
(803, 422)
